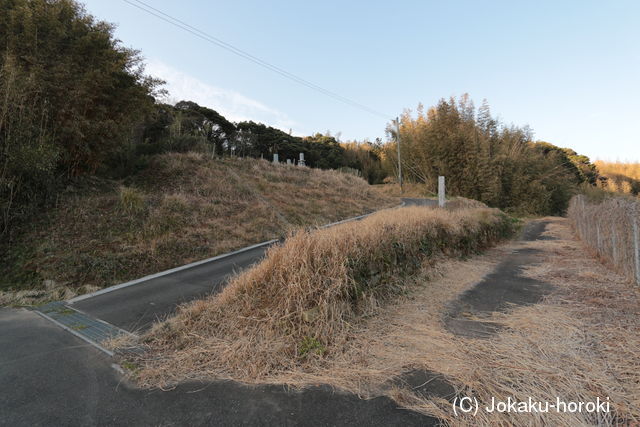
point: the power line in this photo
(243, 54)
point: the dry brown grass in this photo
(410, 189)
(577, 345)
(612, 229)
(580, 343)
(621, 177)
(304, 300)
(632, 170)
(182, 208)
(29, 297)
(122, 342)
(463, 203)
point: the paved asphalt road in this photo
(48, 377)
(136, 307)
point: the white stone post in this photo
(441, 190)
(275, 158)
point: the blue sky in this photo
(568, 69)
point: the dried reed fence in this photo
(612, 229)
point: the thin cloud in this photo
(233, 105)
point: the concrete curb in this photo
(166, 272)
(94, 343)
(355, 218)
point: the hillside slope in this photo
(181, 208)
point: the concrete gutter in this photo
(57, 320)
(173, 270)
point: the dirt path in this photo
(500, 291)
(534, 318)
(537, 317)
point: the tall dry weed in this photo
(300, 302)
(578, 344)
(184, 207)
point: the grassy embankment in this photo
(578, 344)
(305, 299)
(182, 208)
(410, 189)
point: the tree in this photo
(207, 123)
(28, 155)
(365, 157)
(482, 159)
(588, 171)
(324, 151)
(73, 98)
(93, 89)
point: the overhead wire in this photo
(239, 52)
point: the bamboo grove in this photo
(485, 160)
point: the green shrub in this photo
(310, 346)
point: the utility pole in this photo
(399, 161)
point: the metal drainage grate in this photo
(92, 330)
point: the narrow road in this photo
(51, 378)
(470, 313)
(135, 308)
